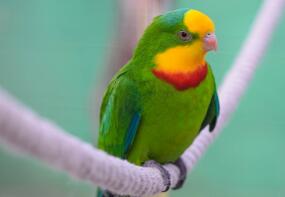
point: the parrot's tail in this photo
(99, 193)
(104, 193)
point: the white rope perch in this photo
(22, 129)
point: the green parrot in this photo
(157, 104)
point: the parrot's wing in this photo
(119, 117)
(212, 113)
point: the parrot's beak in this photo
(210, 42)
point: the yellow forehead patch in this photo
(197, 22)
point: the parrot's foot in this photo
(164, 173)
(183, 173)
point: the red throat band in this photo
(182, 81)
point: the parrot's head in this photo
(177, 42)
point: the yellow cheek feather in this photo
(181, 59)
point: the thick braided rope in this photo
(23, 130)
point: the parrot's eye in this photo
(184, 35)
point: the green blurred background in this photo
(52, 55)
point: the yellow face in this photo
(187, 58)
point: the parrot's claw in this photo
(183, 173)
(164, 173)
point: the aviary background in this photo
(52, 56)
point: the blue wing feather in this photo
(212, 113)
(217, 104)
(130, 135)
